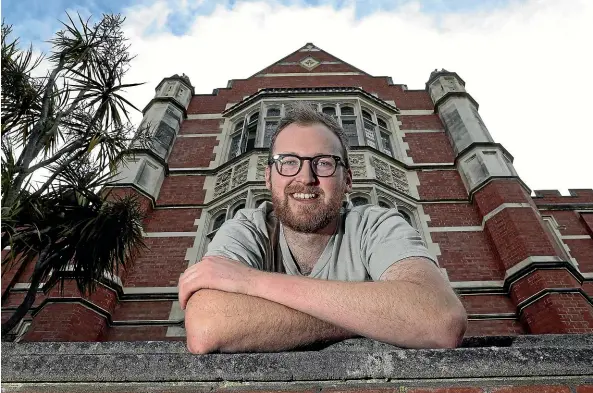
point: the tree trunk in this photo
(29, 300)
(22, 310)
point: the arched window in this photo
(216, 224)
(273, 112)
(329, 110)
(235, 148)
(347, 111)
(385, 205)
(407, 217)
(359, 200)
(237, 208)
(367, 115)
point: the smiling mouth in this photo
(304, 197)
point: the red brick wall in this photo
(430, 147)
(408, 99)
(494, 327)
(201, 126)
(142, 310)
(182, 190)
(498, 192)
(487, 304)
(452, 214)
(587, 219)
(554, 197)
(296, 68)
(539, 280)
(518, 233)
(436, 185)
(420, 122)
(193, 152)
(559, 313)
(160, 265)
(468, 256)
(136, 333)
(172, 220)
(569, 221)
(582, 251)
(66, 322)
(588, 287)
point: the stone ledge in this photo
(357, 359)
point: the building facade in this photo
(520, 264)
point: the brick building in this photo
(521, 264)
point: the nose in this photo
(306, 175)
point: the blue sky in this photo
(522, 60)
(33, 20)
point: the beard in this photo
(310, 217)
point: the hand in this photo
(215, 273)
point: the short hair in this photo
(304, 114)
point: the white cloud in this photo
(527, 64)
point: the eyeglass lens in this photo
(291, 165)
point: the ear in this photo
(268, 178)
(348, 180)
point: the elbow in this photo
(200, 339)
(455, 326)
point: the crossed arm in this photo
(233, 308)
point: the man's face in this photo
(313, 214)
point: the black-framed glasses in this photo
(323, 165)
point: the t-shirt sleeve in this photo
(388, 238)
(239, 239)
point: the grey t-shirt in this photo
(368, 240)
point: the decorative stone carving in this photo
(390, 175)
(382, 171)
(240, 174)
(358, 165)
(310, 63)
(222, 182)
(262, 162)
(400, 180)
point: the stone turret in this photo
(162, 117)
(478, 157)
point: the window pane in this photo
(251, 134)
(386, 144)
(384, 204)
(367, 115)
(269, 131)
(406, 217)
(254, 117)
(369, 133)
(273, 112)
(218, 221)
(239, 207)
(239, 126)
(382, 123)
(235, 141)
(328, 110)
(347, 110)
(349, 127)
(357, 201)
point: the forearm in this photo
(400, 313)
(231, 322)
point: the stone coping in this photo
(355, 359)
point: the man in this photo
(305, 269)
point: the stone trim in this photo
(501, 208)
(417, 112)
(204, 116)
(477, 284)
(357, 359)
(170, 234)
(456, 229)
(575, 237)
(149, 290)
(524, 264)
(310, 74)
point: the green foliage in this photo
(63, 134)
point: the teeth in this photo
(304, 196)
